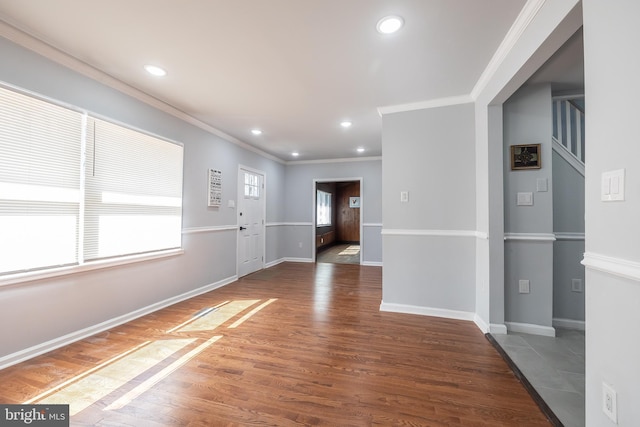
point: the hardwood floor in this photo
(297, 344)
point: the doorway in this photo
(337, 221)
(251, 213)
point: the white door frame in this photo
(263, 204)
(314, 217)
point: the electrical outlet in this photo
(609, 402)
(523, 286)
(576, 285)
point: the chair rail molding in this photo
(611, 265)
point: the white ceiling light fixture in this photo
(360, 149)
(295, 154)
(346, 124)
(154, 70)
(256, 132)
(389, 24)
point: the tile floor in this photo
(554, 367)
(342, 253)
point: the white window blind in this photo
(323, 208)
(40, 152)
(74, 188)
(133, 194)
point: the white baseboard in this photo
(528, 328)
(568, 324)
(372, 263)
(480, 323)
(498, 328)
(493, 328)
(274, 263)
(427, 311)
(289, 259)
(37, 350)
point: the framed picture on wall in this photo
(354, 202)
(525, 157)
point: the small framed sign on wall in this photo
(525, 157)
(354, 202)
(215, 188)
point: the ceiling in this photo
(565, 69)
(294, 69)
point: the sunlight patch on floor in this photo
(146, 385)
(115, 374)
(216, 318)
(351, 250)
(89, 389)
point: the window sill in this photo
(18, 278)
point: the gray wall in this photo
(299, 234)
(568, 217)
(553, 24)
(612, 257)
(429, 153)
(52, 308)
(527, 120)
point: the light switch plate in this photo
(523, 286)
(525, 199)
(612, 187)
(404, 196)
(541, 185)
(576, 285)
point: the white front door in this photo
(250, 221)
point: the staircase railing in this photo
(568, 125)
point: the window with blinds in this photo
(323, 208)
(54, 212)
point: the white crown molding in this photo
(562, 151)
(569, 235)
(44, 49)
(526, 15)
(443, 233)
(611, 265)
(58, 342)
(427, 311)
(342, 160)
(537, 237)
(528, 328)
(193, 230)
(423, 105)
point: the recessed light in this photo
(390, 24)
(154, 70)
(295, 154)
(360, 149)
(256, 131)
(346, 124)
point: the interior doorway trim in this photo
(314, 218)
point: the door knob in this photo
(242, 228)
